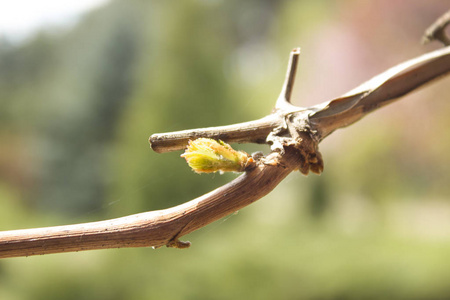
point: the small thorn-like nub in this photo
(285, 96)
(176, 243)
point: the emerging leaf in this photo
(208, 156)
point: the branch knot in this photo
(295, 132)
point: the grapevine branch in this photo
(293, 133)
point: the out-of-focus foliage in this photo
(77, 107)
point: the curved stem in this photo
(155, 228)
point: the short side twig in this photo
(248, 132)
(284, 100)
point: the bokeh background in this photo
(78, 103)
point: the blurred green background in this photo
(78, 104)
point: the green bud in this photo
(208, 156)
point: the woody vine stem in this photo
(293, 133)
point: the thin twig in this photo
(248, 132)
